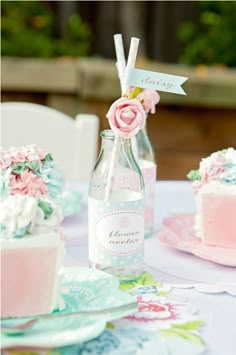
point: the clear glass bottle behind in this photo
(146, 160)
(116, 206)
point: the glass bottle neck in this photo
(109, 141)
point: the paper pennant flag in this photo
(153, 80)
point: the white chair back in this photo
(72, 142)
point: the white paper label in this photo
(121, 232)
(116, 232)
(153, 80)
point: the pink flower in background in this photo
(159, 313)
(150, 99)
(126, 117)
(27, 183)
(150, 308)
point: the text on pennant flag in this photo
(153, 80)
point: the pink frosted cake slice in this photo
(216, 217)
(215, 191)
(30, 275)
(32, 251)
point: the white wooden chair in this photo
(72, 142)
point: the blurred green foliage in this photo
(29, 29)
(213, 39)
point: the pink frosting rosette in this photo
(34, 152)
(15, 155)
(5, 158)
(126, 117)
(27, 183)
(149, 99)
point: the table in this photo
(217, 310)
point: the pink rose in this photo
(126, 117)
(149, 99)
(27, 183)
(151, 308)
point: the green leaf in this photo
(145, 279)
(194, 175)
(34, 166)
(110, 326)
(48, 157)
(189, 325)
(183, 334)
(18, 168)
(126, 286)
(135, 92)
(47, 209)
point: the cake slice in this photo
(32, 252)
(215, 191)
(216, 214)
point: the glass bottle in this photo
(146, 159)
(116, 207)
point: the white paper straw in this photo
(120, 56)
(131, 63)
(133, 50)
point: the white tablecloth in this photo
(217, 310)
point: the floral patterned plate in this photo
(179, 233)
(84, 289)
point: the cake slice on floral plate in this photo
(214, 185)
(32, 253)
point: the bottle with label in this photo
(116, 207)
(146, 160)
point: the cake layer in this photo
(216, 217)
(30, 279)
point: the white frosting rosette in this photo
(218, 167)
(24, 215)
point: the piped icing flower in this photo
(22, 154)
(219, 166)
(53, 178)
(126, 117)
(27, 183)
(23, 215)
(29, 170)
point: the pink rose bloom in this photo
(126, 117)
(17, 155)
(27, 183)
(150, 308)
(34, 153)
(150, 99)
(5, 159)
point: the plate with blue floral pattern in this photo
(83, 289)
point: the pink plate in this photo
(179, 233)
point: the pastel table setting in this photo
(117, 265)
(202, 285)
(169, 292)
